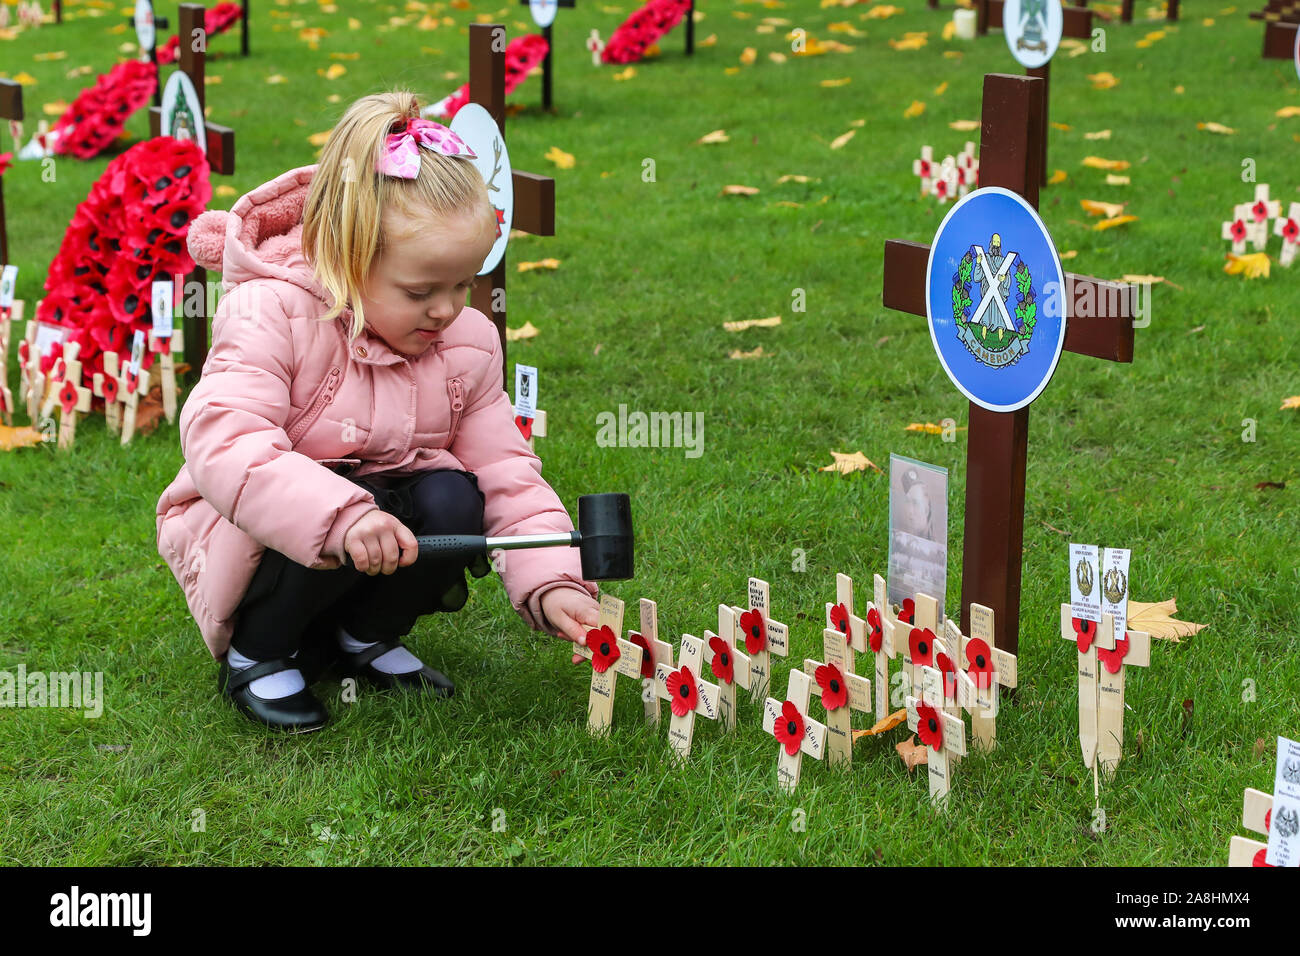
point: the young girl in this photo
(350, 402)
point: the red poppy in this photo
(604, 648)
(682, 695)
(835, 692)
(1085, 631)
(1291, 231)
(525, 426)
(110, 389)
(523, 54)
(840, 619)
(920, 643)
(929, 726)
(980, 661)
(217, 20)
(1259, 858)
(1260, 211)
(723, 667)
(6, 160)
(1239, 231)
(642, 29)
(876, 633)
(647, 654)
(948, 670)
(1114, 660)
(68, 397)
(789, 728)
(925, 169)
(751, 622)
(908, 613)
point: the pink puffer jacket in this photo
(284, 396)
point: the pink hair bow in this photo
(401, 152)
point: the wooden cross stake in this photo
(221, 159)
(840, 617)
(763, 637)
(74, 398)
(1256, 816)
(726, 658)
(996, 446)
(1088, 636)
(534, 210)
(131, 384)
(164, 350)
(687, 693)
(611, 657)
(1131, 650)
(842, 691)
(978, 653)
(880, 641)
(942, 733)
(795, 731)
(653, 653)
(106, 387)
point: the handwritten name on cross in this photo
(763, 637)
(795, 732)
(687, 694)
(728, 663)
(653, 653)
(611, 657)
(941, 732)
(997, 442)
(842, 691)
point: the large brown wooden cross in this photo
(1281, 20)
(1077, 23)
(11, 108)
(221, 159)
(1010, 156)
(534, 195)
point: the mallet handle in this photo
(467, 544)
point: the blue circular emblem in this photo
(995, 297)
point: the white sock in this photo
(272, 686)
(397, 661)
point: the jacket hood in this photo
(260, 237)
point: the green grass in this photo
(1147, 456)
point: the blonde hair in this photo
(342, 232)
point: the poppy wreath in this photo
(130, 230)
(523, 55)
(642, 29)
(217, 20)
(98, 114)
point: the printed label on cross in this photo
(763, 637)
(997, 442)
(795, 732)
(842, 691)
(653, 653)
(1087, 637)
(611, 657)
(727, 663)
(941, 732)
(687, 694)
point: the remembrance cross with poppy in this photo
(794, 730)
(941, 732)
(987, 668)
(611, 657)
(728, 663)
(687, 694)
(763, 637)
(653, 652)
(842, 691)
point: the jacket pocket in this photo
(456, 391)
(324, 396)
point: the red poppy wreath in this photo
(98, 114)
(642, 29)
(523, 55)
(217, 20)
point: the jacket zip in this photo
(323, 398)
(455, 388)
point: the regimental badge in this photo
(1287, 823)
(1291, 772)
(1114, 585)
(1083, 576)
(995, 335)
(1033, 23)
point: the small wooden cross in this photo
(219, 145)
(596, 46)
(997, 443)
(728, 663)
(33, 379)
(918, 639)
(988, 668)
(610, 657)
(1288, 227)
(165, 359)
(1241, 229)
(941, 732)
(550, 48)
(74, 398)
(1131, 650)
(924, 168)
(1261, 211)
(1087, 637)
(132, 383)
(795, 731)
(534, 210)
(687, 694)
(880, 641)
(840, 617)
(968, 170)
(106, 385)
(955, 684)
(842, 691)
(1256, 816)
(653, 653)
(763, 637)
(944, 186)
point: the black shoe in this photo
(298, 713)
(425, 679)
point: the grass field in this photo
(1148, 456)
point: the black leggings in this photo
(288, 605)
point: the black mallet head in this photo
(605, 527)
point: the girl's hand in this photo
(572, 613)
(378, 542)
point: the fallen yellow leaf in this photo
(52, 55)
(312, 34)
(22, 437)
(952, 54)
(882, 11)
(741, 324)
(539, 264)
(717, 136)
(776, 57)
(427, 22)
(211, 79)
(276, 78)
(1142, 280)
(319, 139)
(794, 178)
(1103, 81)
(915, 110)
(929, 428)
(1094, 208)
(1252, 266)
(737, 354)
(839, 141)
(334, 72)
(1114, 221)
(626, 74)
(1113, 180)
(787, 204)
(57, 108)
(1069, 254)
(846, 464)
(1179, 89)
(1096, 162)
(842, 81)
(1287, 112)
(730, 71)
(1057, 178)
(941, 88)
(1099, 134)
(560, 158)
(25, 78)
(748, 56)
(1063, 127)
(225, 190)
(1292, 402)
(949, 30)
(879, 727)
(345, 56)
(710, 40)
(908, 43)
(734, 190)
(1216, 128)
(913, 754)
(964, 126)
(525, 331)
(1156, 619)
